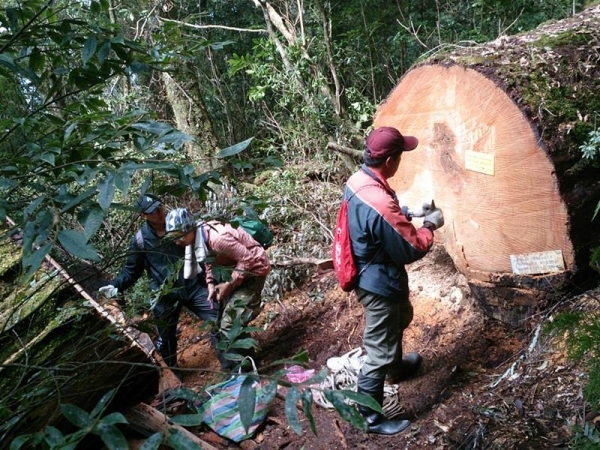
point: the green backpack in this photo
(255, 228)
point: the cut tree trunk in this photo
(500, 126)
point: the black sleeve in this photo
(133, 268)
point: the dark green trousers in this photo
(385, 322)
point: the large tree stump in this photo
(500, 127)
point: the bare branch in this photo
(323, 264)
(221, 27)
(346, 150)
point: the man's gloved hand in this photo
(434, 219)
(421, 210)
(108, 291)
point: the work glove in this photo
(108, 291)
(421, 210)
(434, 219)
(417, 211)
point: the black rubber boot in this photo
(405, 369)
(376, 422)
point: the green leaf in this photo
(188, 420)
(111, 436)
(362, 399)
(77, 200)
(75, 415)
(153, 127)
(243, 343)
(49, 158)
(236, 327)
(347, 412)
(92, 223)
(318, 378)
(291, 413)
(234, 149)
(102, 403)
(89, 48)
(103, 52)
(106, 189)
(69, 131)
(33, 261)
(123, 180)
(300, 357)
(8, 61)
(180, 441)
(76, 244)
(247, 401)
(186, 394)
(114, 418)
(19, 441)
(153, 442)
(53, 436)
(158, 165)
(29, 209)
(36, 59)
(307, 402)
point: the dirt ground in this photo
(482, 384)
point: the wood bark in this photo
(499, 127)
(191, 118)
(148, 420)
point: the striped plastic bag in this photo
(221, 408)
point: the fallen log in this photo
(147, 420)
(500, 127)
(56, 350)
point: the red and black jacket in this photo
(383, 239)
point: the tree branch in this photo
(221, 27)
(322, 264)
(345, 150)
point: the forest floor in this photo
(483, 384)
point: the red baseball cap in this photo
(387, 141)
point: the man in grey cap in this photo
(161, 259)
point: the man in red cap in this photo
(383, 242)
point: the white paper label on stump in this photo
(537, 263)
(479, 162)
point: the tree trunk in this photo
(499, 127)
(191, 118)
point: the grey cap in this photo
(148, 203)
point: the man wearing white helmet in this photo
(236, 269)
(161, 259)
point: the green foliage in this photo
(586, 437)
(581, 333)
(87, 423)
(61, 142)
(590, 150)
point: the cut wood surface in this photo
(499, 127)
(516, 209)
